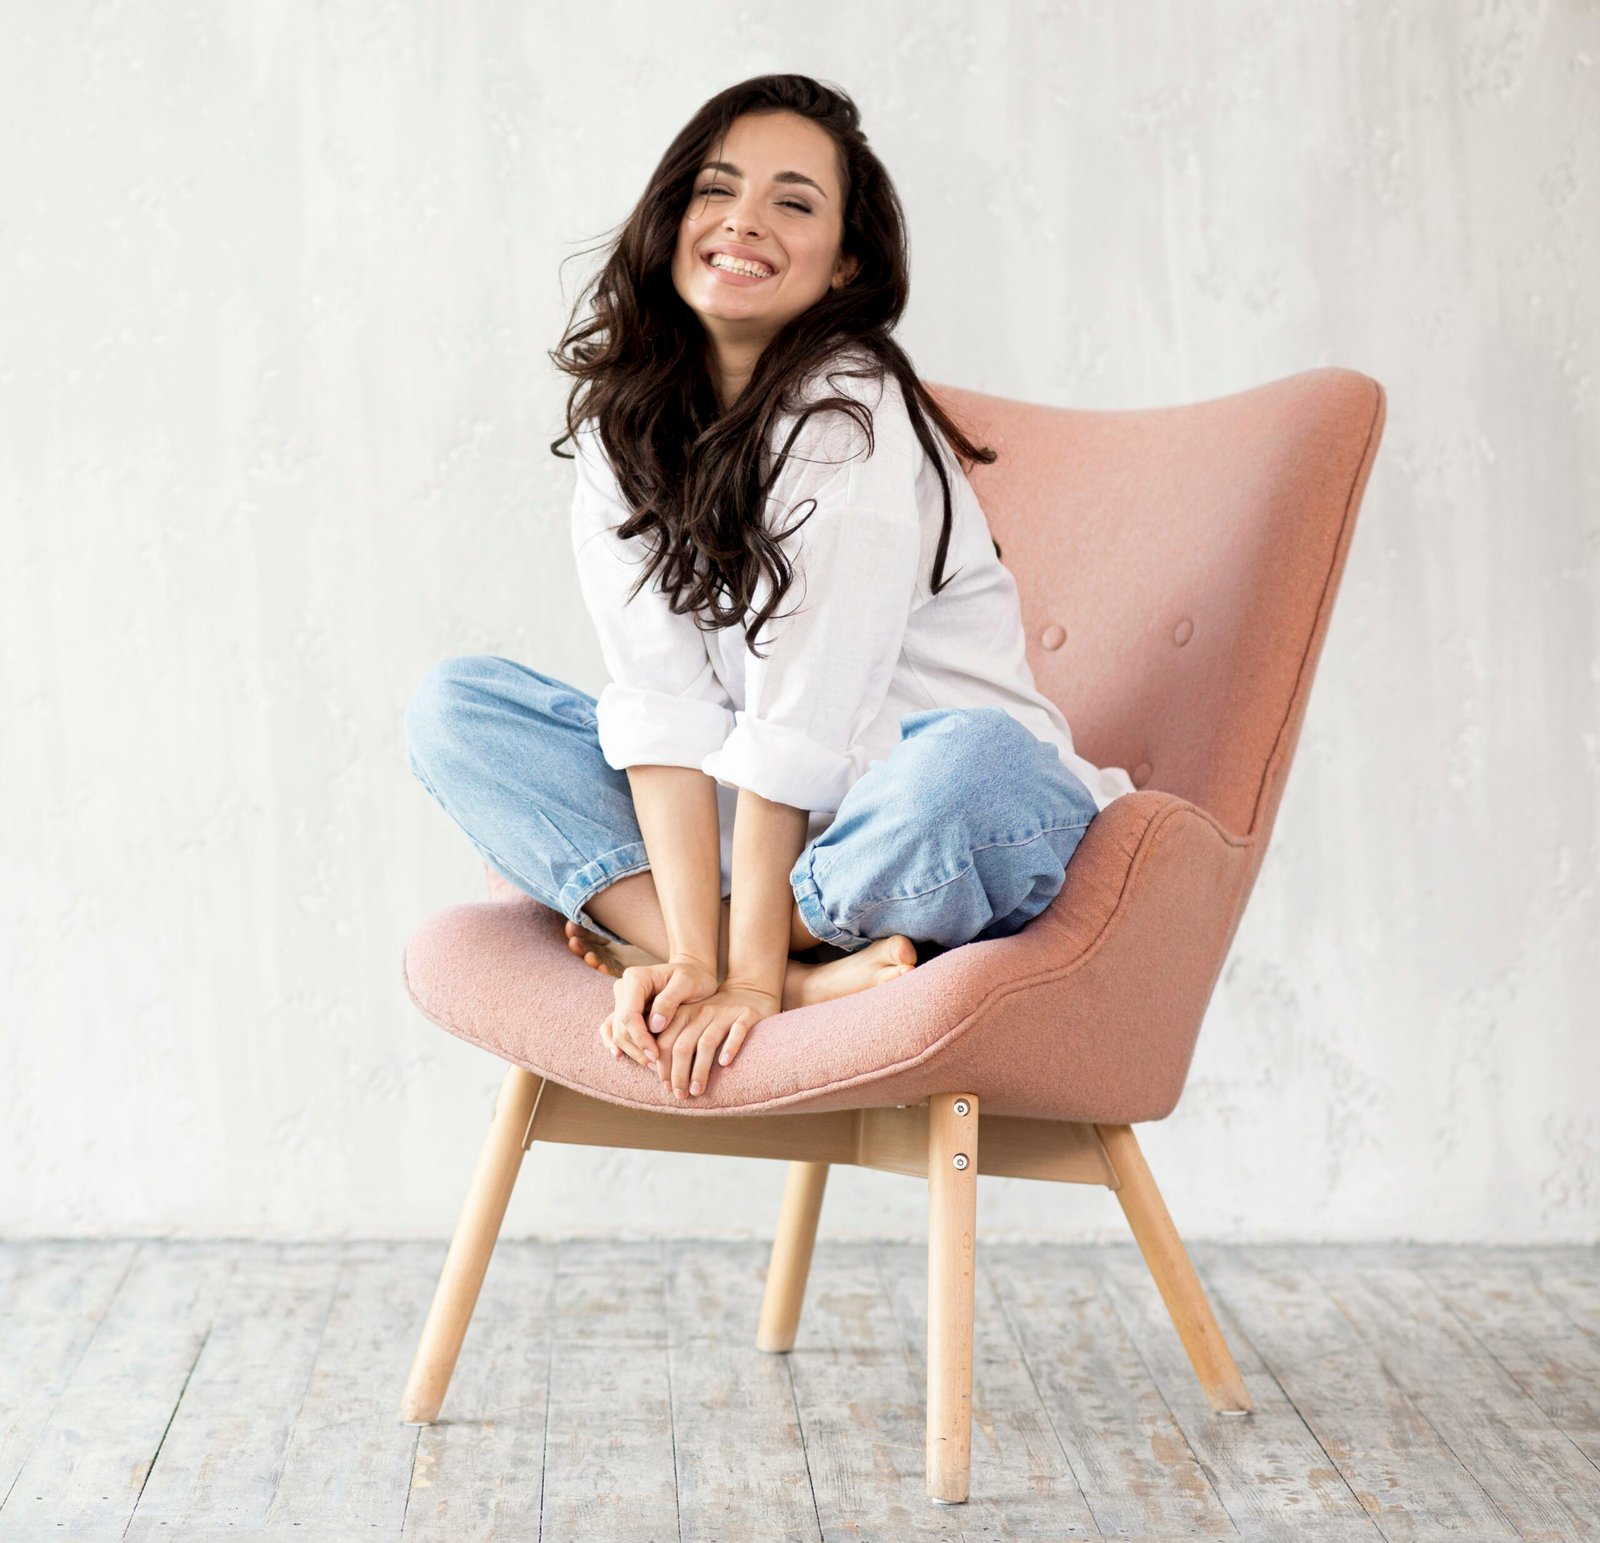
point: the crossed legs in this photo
(632, 909)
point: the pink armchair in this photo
(1177, 569)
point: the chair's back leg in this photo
(791, 1256)
(468, 1259)
(952, 1260)
(1174, 1275)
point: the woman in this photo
(821, 734)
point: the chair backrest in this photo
(1177, 567)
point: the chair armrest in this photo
(1092, 1011)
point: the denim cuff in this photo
(595, 876)
(808, 900)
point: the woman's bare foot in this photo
(878, 963)
(602, 954)
(804, 984)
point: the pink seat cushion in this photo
(1050, 1022)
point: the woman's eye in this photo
(791, 203)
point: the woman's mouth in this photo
(735, 275)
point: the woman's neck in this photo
(732, 365)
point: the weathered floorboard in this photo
(195, 1391)
(94, 1454)
(480, 1466)
(1270, 1472)
(609, 1436)
(741, 1456)
(1137, 1470)
(223, 1454)
(1400, 1468)
(1543, 1484)
(54, 1296)
(349, 1459)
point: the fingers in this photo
(692, 1054)
(632, 991)
(683, 985)
(619, 1044)
(688, 1046)
(736, 1037)
(667, 1002)
(681, 1028)
(683, 1053)
(700, 1072)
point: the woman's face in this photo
(775, 198)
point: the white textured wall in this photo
(276, 282)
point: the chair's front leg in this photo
(468, 1259)
(952, 1259)
(1173, 1273)
(791, 1256)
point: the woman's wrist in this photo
(696, 958)
(757, 982)
(696, 937)
(767, 837)
(677, 811)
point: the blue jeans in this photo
(962, 832)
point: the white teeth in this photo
(738, 265)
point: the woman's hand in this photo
(690, 1041)
(663, 988)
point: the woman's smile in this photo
(736, 276)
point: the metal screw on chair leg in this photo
(960, 1159)
(963, 1107)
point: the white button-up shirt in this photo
(867, 641)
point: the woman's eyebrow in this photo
(783, 176)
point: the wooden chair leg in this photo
(791, 1256)
(1180, 1287)
(952, 1259)
(468, 1259)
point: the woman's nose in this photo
(744, 216)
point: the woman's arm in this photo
(677, 811)
(663, 711)
(824, 675)
(767, 838)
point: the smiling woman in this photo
(761, 240)
(881, 775)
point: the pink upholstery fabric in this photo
(1177, 568)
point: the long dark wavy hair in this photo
(690, 473)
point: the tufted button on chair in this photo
(1177, 569)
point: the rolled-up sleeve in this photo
(664, 705)
(832, 647)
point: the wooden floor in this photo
(613, 1392)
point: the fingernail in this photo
(657, 1022)
(723, 1058)
(654, 1055)
(678, 1091)
(694, 1087)
(615, 1052)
